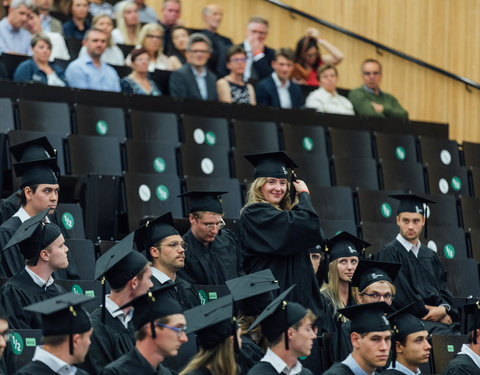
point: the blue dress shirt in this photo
(12, 40)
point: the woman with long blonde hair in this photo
(128, 26)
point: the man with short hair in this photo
(171, 11)
(278, 90)
(88, 71)
(193, 80)
(49, 23)
(369, 100)
(13, 37)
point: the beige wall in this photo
(444, 33)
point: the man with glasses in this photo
(193, 80)
(213, 256)
(369, 100)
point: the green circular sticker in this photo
(210, 138)
(68, 221)
(307, 143)
(203, 297)
(400, 153)
(303, 357)
(17, 343)
(102, 127)
(456, 183)
(386, 210)
(162, 192)
(77, 289)
(449, 251)
(159, 165)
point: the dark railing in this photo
(464, 80)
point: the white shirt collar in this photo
(247, 46)
(278, 83)
(38, 280)
(403, 369)
(279, 365)
(408, 246)
(112, 308)
(468, 351)
(160, 276)
(54, 363)
(23, 215)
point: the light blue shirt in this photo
(12, 40)
(82, 73)
(201, 79)
(46, 23)
(354, 366)
(403, 369)
(53, 363)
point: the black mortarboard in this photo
(472, 319)
(204, 201)
(369, 317)
(413, 203)
(370, 271)
(271, 164)
(34, 235)
(278, 316)
(37, 172)
(63, 315)
(35, 149)
(253, 292)
(345, 245)
(153, 231)
(213, 322)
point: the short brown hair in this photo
(324, 68)
(21, 195)
(54, 340)
(371, 61)
(284, 52)
(38, 37)
(258, 19)
(238, 48)
(141, 333)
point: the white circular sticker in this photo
(445, 157)
(199, 136)
(426, 209)
(207, 166)
(144, 193)
(432, 245)
(443, 186)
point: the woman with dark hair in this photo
(137, 82)
(78, 24)
(180, 37)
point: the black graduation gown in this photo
(109, 341)
(461, 364)
(341, 345)
(212, 265)
(20, 291)
(265, 368)
(8, 207)
(39, 368)
(184, 292)
(200, 371)
(391, 372)
(339, 369)
(133, 363)
(250, 354)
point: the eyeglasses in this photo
(239, 60)
(154, 36)
(199, 51)
(7, 334)
(376, 297)
(209, 226)
(371, 73)
(176, 244)
(179, 330)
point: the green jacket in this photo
(361, 100)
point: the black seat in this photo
(83, 254)
(212, 131)
(243, 169)
(447, 242)
(102, 121)
(448, 179)
(399, 147)
(205, 161)
(403, 175)
(436, 151)
(151, 195)
(470, 212)
(377, 205)
(313, 169)
(103, 155)
(253, 137)
(44, 116)
(350, 143)
(20, 352)
(356, 172)
(475, 241)
(150, 157)
(12, 61)
(333, 227)
(378, 234)
(475, 172)
(305, 139)
(70, 215)
(74, 46)
(122, 70)
(462, 277)
(154, 126)
(471, 154)
(91, 288)
(8, 121)
(333, 203)
(444, 211)
(126, 49)
(444, 348)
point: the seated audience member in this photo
(193, 80)
(13, 37)
(98, 7)
(169, 19)
(49, 23)
(59, 48)
(177, 56)
(278, 90)
(326, 98)
(38, 68)
(146, 14)
(369, 100)
(137, 82)
(232, 88)
(128, 25)
(259, 56)
(112, 55)
(88, 71)
(66, 331)
(308, 57)
(371, 340)
(212, 17)
(78, 24)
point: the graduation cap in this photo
(33, 236)
(37, 172)
(413, 203)
(63, 315)
(253, 292)
(370, 271)
(204, 201)
(214, 322)
(35, 149)
(278, 316)
(153, 231)
(271, 164)
(472, 318)
(369, 317)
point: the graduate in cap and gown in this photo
(160, 328)
(44, 251)
(213, 255)
(66, 330)
(422, 278)
(128, 274)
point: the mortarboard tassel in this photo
(293, 191)
(70, 338)
(104, 292)
(285, 316)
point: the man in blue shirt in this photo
(88, 72)
(13, 37)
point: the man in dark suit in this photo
(194, 80)
(277, 90)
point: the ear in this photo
(191, 218)
(133, 282)
(290, 333)
(398, 220)
(154, 252)
(423, 221)
(398, 347)
(355, 338)
(44, 255)
(75, 338)
(28, 192)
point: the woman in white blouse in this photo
(128, 26)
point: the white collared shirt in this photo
(24, 216)
(112, 308)
(408, 246)
(54, 363)
(473, 356)
(323, 101)
(38, 280)
(279, 365)
(201, 79)
(403, 369)
(160, 276)
(283, 92)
